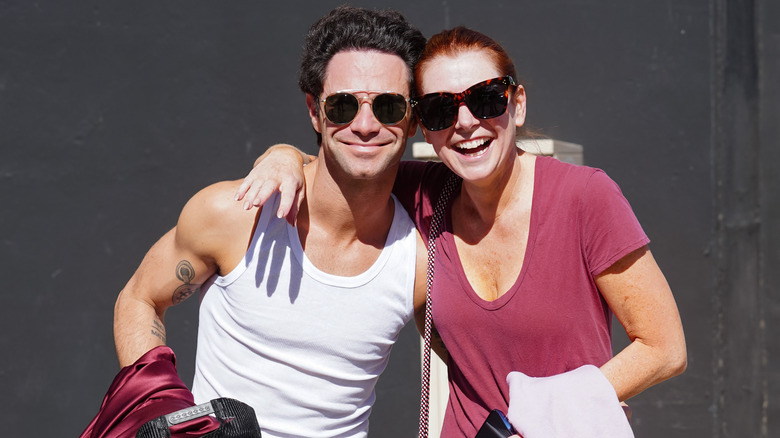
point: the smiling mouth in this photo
(472, 147)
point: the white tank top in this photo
(304, 348)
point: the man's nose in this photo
(365, 121)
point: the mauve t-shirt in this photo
(553, 319)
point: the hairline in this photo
(409, 70)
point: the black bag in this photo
(237, 420)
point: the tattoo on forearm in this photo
(186, 273)
(159, 330)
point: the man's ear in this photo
(412, 125)
(313, 105)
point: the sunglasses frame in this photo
(360, 100)
(461, 98)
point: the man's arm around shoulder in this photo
(211, 236)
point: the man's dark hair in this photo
(350, 28)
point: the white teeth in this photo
(473, 144)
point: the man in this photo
(298, 322)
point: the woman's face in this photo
(476, 149)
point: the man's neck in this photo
(346, 210)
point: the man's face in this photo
(363, 148)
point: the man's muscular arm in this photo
(166, 277)
(211, 230)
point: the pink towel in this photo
(580, 403)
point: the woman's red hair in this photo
(461, 39)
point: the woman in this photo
(535, 255)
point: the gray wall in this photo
(112, 114)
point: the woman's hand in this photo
(279, 169)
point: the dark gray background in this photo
(112, 114)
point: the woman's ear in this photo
(425, 134)
(520, 101)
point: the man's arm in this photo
(168, 275)
(212, 232)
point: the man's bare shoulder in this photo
(212, 222)
(218, 198)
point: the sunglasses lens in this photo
(389, 109)
(487, 101)
(341, 108)
(437, 111)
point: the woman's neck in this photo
(488, 200)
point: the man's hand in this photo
(279, 169)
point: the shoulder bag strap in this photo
(435, 231)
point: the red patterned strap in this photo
(435, 231)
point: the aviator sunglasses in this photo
(485, 100)
(342, 107)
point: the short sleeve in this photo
(609, 228)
